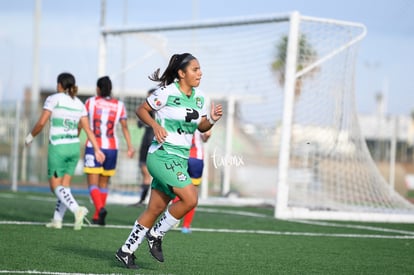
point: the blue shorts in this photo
(107, 168)
(195, 169)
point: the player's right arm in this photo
(144, 113)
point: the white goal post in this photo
(293, 132)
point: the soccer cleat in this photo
(102, 215)
(128, 259)
(185, 230)
(154, 244)
(80, 214)
(54, 224)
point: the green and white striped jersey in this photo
(66, 113)
(179, 115)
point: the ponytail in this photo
(177, 62)
(68, 83)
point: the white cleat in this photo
(80, 215)
(54, 224)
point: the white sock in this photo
(65, 196)
(135, 238)
(59, 211)
(166, 222)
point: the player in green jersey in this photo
(180, 108)
(67, 116)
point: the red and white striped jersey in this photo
(104, 115)
(197, 146)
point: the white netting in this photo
(331, 170)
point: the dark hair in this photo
(152, 90)
(68, 83)
(105, 85)
(177, 62)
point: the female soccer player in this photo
(180, 109)
(105, 112)
(195, 170)
(67, 116)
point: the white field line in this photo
(354, 226)
(405, 234)
(320, 223)
(242, 231)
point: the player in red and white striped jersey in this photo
(105, 112)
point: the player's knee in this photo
(156, 210)
(192, 202)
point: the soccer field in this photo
(225, 240)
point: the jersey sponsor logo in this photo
(181, 131)
(191, 114)
(69, 124)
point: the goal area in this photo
(290, 134)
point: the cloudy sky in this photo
(69, 30)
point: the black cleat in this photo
(102, 215)
(128, 259)
(154, 244)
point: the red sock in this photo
(104, 195)
(188, 218)
(96, 198)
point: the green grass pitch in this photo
(225, 240)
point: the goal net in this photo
(290, 134)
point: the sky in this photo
(69, 31)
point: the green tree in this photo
(306, 56)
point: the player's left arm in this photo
(99, 155)
(216, 112)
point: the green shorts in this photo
(62, 159)
(168, 171)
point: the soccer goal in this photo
(290, 133)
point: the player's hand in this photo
(160, 133)
(100, 156)
(216, 111)
(28, 140)
(131, 152)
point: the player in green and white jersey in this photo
(180, 108)
(67, 115)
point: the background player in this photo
(67, 115)
(105, 112)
